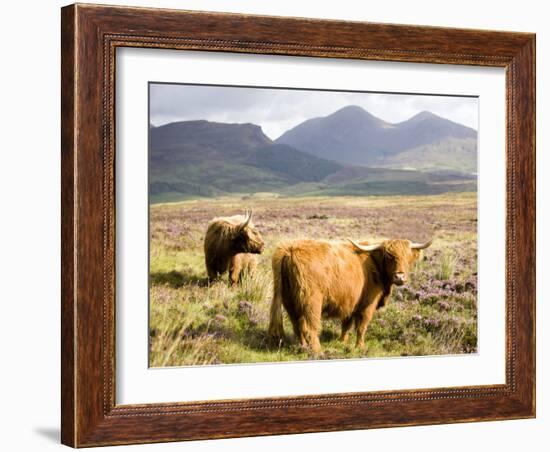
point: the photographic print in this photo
(298, 224)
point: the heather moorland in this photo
(193, 322)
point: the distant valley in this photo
(350, 152)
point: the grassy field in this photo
(193, 323)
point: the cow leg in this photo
(234, 275)
(252, 265)
(303, 332)
(309, 325)
(215, 269)
(235, 268)
(314, 343)
(362, 322)
(308, 337)
(210, 271)
(295, 326)
(346, 326)
(212, 274)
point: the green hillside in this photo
(199, 159)
(452, 154)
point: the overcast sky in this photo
(278, 110)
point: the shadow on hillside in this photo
(177, 279)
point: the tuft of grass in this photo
(254, 287)
(447, 265)
(170, 335)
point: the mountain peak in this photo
(426, 119)
(355, 116)
(352, 109)
(425, 114)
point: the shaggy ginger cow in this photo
(345, 280)
(229, 246)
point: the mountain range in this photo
(348, 152)
(353, 136)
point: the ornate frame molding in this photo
(90, 37)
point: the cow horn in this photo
(421, 246)
(366, 247)
(248, 216)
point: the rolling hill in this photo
(203, 159)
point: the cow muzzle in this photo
(257, 248)
(399, 278)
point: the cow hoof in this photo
(276, 342)
(361, 347)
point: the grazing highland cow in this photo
(229, 245)
(345, 280)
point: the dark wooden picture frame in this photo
(90, 36)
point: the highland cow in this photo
(230, 245)
(338, 279)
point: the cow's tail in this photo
(280, 281)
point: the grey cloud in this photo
(277, 110)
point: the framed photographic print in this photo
(282, 225)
